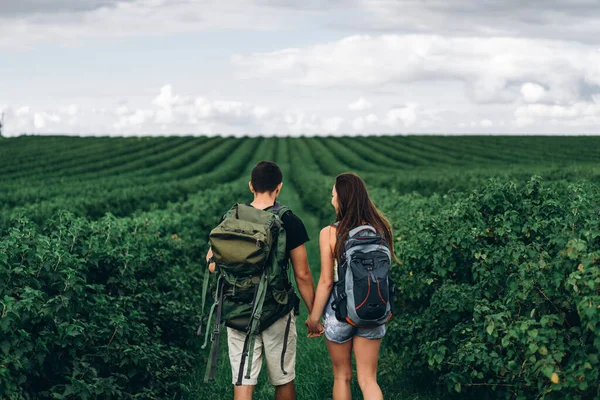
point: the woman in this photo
(353, 208)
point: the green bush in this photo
(107, 308)
(499, 289)
(94, 309)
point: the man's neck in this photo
(262, 201)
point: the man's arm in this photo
(303, 276)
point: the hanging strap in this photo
(211, 312)
(214, 350)
(204, 294)
(245, 347)
(256, 314)
(243, 360)
(285, 341)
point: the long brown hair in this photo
(355, 208)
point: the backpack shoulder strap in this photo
(232, 211)
(279, 210)
(362, 228)
(336, 224)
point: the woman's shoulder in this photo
(329, 232)
(329, 229)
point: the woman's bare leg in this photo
(341, 359)
(366, 352)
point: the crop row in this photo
(123, 198)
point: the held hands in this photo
(315, 327)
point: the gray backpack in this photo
(364, 293)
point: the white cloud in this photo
(41, 119)
(166, 99)
(358, 124)
(532, 92)
(372, 118)
(187, 114)
(360, 105)
(22, 111)
(581, 114)
(571, 20)
(406, 115)
(120, 111)
(140, 116)
(70, 110)
(493, 70)
(33, 22)
(523, 122)
(28, 22)
(453, 64)
(332, 125)
(260, 112)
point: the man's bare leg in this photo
(285, 392)
(243, 392)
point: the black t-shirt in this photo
(295, 231)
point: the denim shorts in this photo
(340, 332)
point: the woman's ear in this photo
(251, 187)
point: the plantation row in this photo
(94, 158)
(122, 196)
(499, 288)
(113, 179)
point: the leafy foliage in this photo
(500, 289)
(104, 308)
(498, 286)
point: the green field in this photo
(102, 243)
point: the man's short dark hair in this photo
(265, 177)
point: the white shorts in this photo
(268, 345)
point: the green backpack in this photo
(252, 288)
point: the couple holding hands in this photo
(356, 252)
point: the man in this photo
(266, 182)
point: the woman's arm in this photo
(325, 281)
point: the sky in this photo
(299, 67)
